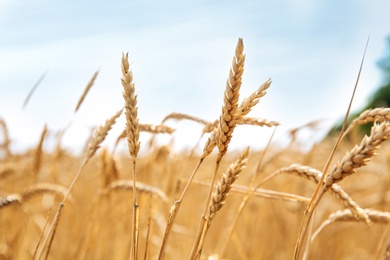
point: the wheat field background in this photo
(116, 204)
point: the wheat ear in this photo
(360, 155)
(248, 103)
(221, 193)
(257, 122)
(33, 89)
(10, 199)
(314, 175)
(43, 188)
(181, 116)
(261, 193)
(380, 114)
(127, 185)
(108, 169)
(375, 216)
(38, 153)
(225, 184)
(86, 90)
(132, 130)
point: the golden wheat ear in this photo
(86, 90)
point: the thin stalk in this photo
(202, 229)
(56, 219)
(320, 190)
(175, 209)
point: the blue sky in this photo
(181, 52)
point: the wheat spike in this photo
(257, 122)
(359, 155)
(380, 114)
(375, 216)
(128, 185)
(131, 109)
(314, 175)
(180, 116)
(43, 188)
(228, 118)
(86, 90)
(38, 153)
(225, 184)
(100, 134)
(248, 103)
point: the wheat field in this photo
(219, 203)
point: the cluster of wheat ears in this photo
(54, 205)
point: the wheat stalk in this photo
(86, 90)
(132, 130)
(319, 191)
(98, 137)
